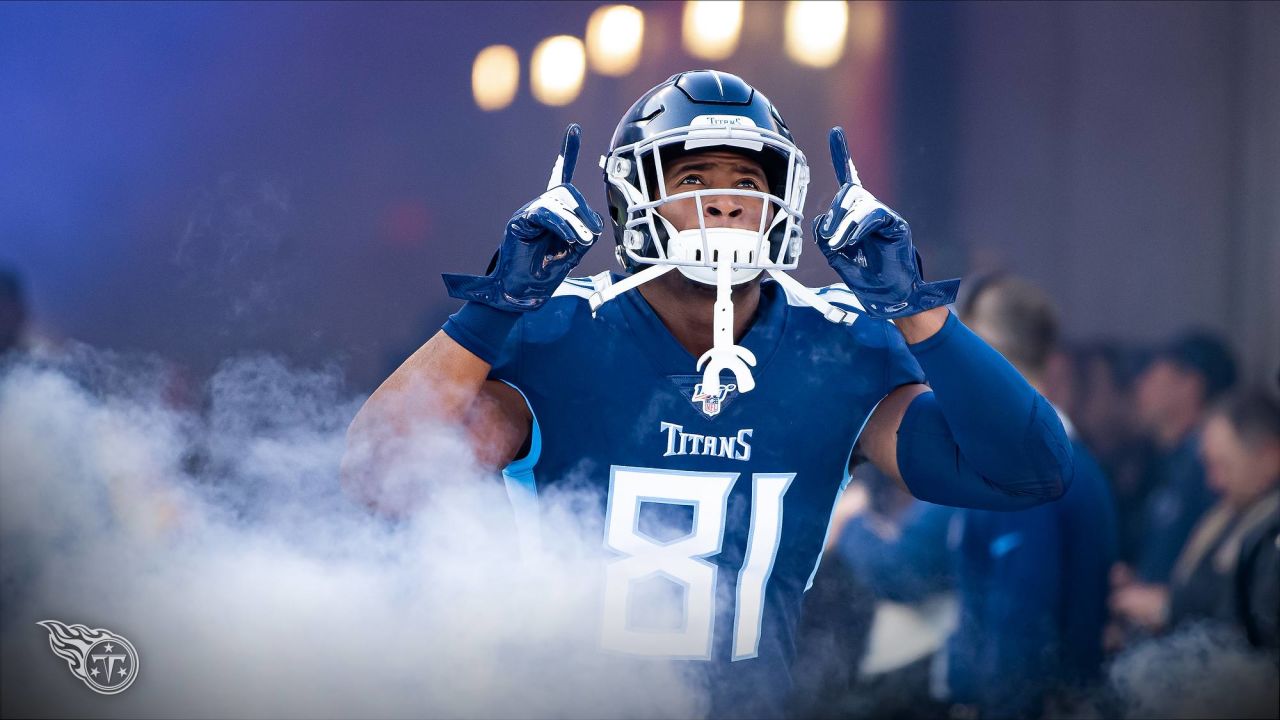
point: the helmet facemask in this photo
(717, 256)
(636, 175)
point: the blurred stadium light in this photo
(815, 31)
(615, 34)
(712, 28)
(557, 68)
(495, 75)
(868, 26)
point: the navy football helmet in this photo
(688, 112)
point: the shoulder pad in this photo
(839, 293)
(581, 287)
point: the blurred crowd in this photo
(1172, 523)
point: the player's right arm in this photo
(444, 386)
(441, 387)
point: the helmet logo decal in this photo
(724, 121)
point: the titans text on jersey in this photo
(735, 447)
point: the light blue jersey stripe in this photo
(522, 489)
(843, 484)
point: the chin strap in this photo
(812, 299)
(607, 289)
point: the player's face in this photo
(715, 169)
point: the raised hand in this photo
(869, 246)
(543, 242)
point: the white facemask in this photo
(717, 256)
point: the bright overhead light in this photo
(495, 75)
(712, 27)
(815, 31)
(556, 70)
(868, 22)
(614, 36)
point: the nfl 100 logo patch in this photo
(708, 401)
(711, 399)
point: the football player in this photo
(743, 392)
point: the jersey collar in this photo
(670, 358)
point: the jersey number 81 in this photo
(684, 559)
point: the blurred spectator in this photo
(1173, 394)
(831, 638)
(895, 547)
(1227, 570)
(1032, 583)
(1257, 585)
(13, 310)
(1062, 378)
(1106, 422)
(831, 641)
(1103, 412)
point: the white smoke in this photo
(218, 541)
(1199, 671)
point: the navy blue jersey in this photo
(720, 502)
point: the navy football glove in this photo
(869, 246)
(544, 241)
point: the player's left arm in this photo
(979, 435)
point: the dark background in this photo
(205, 180)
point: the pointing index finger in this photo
(846, 173)
(562, 172)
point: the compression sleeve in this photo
(481, 329)
(984, 438)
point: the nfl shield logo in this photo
(711, 401)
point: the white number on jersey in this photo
(684, 559)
